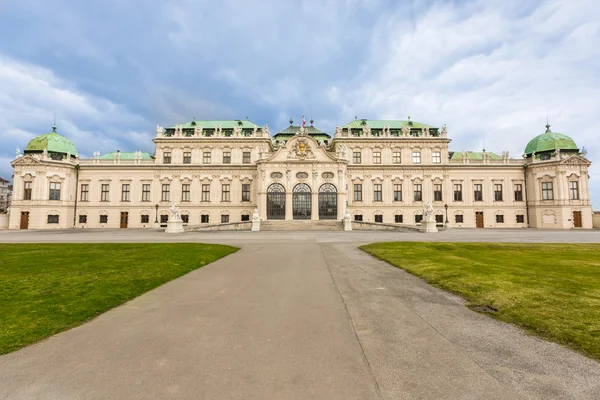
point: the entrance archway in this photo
(276, 201)
(327, 201)
(301, 201)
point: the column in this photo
(314, 205)
(288, 206)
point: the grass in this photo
(48, 288)
(551, 290)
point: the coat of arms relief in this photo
(301, 150)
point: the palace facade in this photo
(383, 172)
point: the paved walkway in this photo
(300, 315)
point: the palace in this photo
(381, 172)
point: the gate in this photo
(276, 201)
(302, 201)
(327, 201)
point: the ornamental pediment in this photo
(26, 160)
(575, 159)
(301, 148)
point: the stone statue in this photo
(45, 153)
(96, 154)
(366, 130)
(428, 212)
(302, 130)
(175, 212)
(255, 215)
(338, 131)
(237, 131)
(558, 154)
(405, 130)
(426, 129)
(254, 130)
(17, 153)
(197, 130)
(159, 131)
(219, 130)
(444, 131)
(265, 129)
(347, 216)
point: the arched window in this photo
(276, 201)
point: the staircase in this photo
(301, 225)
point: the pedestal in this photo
(428, 226)
(156, 225)
(174, 227)
(347, 224)
(256, 225)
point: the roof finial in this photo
(312, 121)
(547, 125)
(54, 124)
(291, 121)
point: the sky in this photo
(109, 71)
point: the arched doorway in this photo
(327, 201)
(301, 201)
(276, 201)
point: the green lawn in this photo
(551, 290)
(47, 288)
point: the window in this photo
(145, 219)
(437, 192)
(396, 157)
(458, 192)
(520, 219)
(164, 219)
(397, 192)
(418, 193)
(185, 218)
(54, 191)
(499, 219)
(379, 218)
(377, 157)
(226, 157)
(458, 218)
(246, 157)
(357, 192)
(204, 219)
(356, 157)
(166, 192)
(83, 219)
(185, 192)
(205, 192)
(245, 192)
(436, 157)
(85, 192)
(358, 218)
(574, 190)
(167, 157)
(518, 192)
(225, 193)
(125, 192)
(104, 192)
(104, 219)
(187, 157)
(146, 192)
(206, 157)
(398, 219)
(478, 192)
(418, 218)
(27, 190)
(439, 219)
(245, 217)
(53, 219)
(224, 219)
(547, 191)
(377, 192)
(416, 157)
(498, 192)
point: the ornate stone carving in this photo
(159, 131)
(301, 150)
(428, 212)
(301, 175)
(405, 130)
(276, 175)
(327, 175)
(338, 131)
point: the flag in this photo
(303, 121)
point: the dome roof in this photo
(52, 142)
(550, 141)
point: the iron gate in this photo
(276, 201)
(302, 201)
(327, 201)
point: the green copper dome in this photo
(550, 141)
(51, 142)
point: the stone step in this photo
(301, 225)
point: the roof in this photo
(213, 124)
(3, 180)
(52, 142)
(550, 141)
(125, 155)
(380, 123)
(308, 130)
(474, 155)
